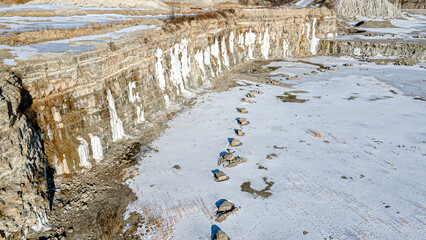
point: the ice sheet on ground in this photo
(73, 45)
(303, 3)
(362, 179)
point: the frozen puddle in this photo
(347, 163)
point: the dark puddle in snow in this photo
(264, 193)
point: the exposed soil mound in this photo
(351, 9)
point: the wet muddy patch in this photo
(419, 99)
(264, 193)
(289, 97)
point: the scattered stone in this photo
(305, 233)
(259, 85)
(235, 143)
(276, 147)
(245, 100)
(226, 206)
(229, 157)
(330, 68)
(314, 72)
(273, 82)
(243, 121)
(229, 160)
(220, 176)
(270, 156)
(176, 166)
(297, 77)
(250, 95)
(348, 65)
(314, 133)
(220, 235)
(306, 74)
(225, 209)
(256, 91)
(239, 132)
(230, 151)
(343, 177)
(242, 110)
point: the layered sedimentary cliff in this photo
(88, 102)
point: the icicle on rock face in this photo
(224, 53)
(265, 45)
(140, 114)
(159, 71)
(314, 40)
(42, 222)
(116, 124)
(97, 151)
(132, 97)
(83, 153)
(250, 40)
(199, 58)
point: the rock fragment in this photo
(239, 132)
(256, 91)
(348, 64)
(250, 95)
(273, 82)
(245, 100)
(220, 235)
(229, 160)
(225, 209)
(220, 176)
(226, 206)
(242, 110)
(235, 143)
(243, 121)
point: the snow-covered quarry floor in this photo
(361, 176)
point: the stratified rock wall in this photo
(409, 4)
(23, 195)
(86, 103)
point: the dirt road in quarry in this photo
(331, 152)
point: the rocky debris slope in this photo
(23, 193)
(409, 4)
(351, 9)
